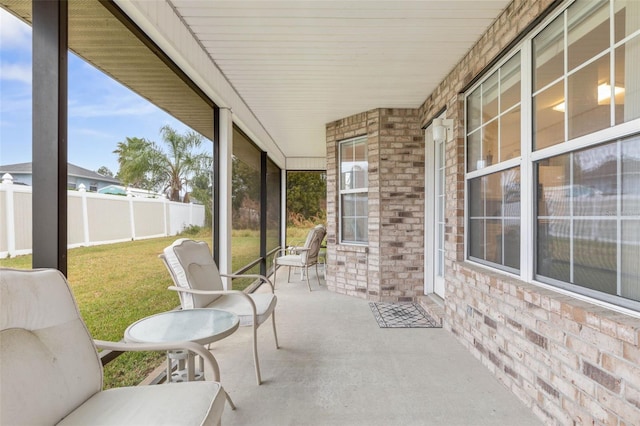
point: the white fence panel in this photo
(183, 215)
(94, 219)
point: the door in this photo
(434, 212)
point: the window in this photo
(565, 186)
(575, 61)
(493, 138)
(588, 218)
(274, 209)
(493, 118)
(354, 197)
(494, 218)
(245, 201)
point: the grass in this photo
(117, 284)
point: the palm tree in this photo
(181, 163)
(134, 159)
(144, 163)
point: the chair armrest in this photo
(299, 249)
(289, 250)
(221, 292)
(282, 250)
(261, 277)
(139, 347)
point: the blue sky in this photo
(102, 112)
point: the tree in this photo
(135, 160)
(144, 164)
(201, 189)
(306, 194)
(245, 183)
(104, 171)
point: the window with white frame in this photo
(354, 196)
(493, 138)
(566, 191)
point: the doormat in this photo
(402, 315)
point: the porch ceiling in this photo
(296, 64)
(301, 64)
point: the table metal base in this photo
(186, 370)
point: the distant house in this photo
(76, 175)
(125, 190)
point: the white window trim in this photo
(526, 162)
(341, 191)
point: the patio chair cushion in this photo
(265, 304)
(50, 370)
(313, 243)
(205, 278)
(152, 405)
(290, 260)
(49, 361)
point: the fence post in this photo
(85, 213)
(7, 180)
(165, 208)
(131, 215)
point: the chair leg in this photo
(317, 274)
(306, 269)
(275, 333)
(231, 404)
(275, 269)
(255, 353)
(289, 275)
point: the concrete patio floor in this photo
(335, 366)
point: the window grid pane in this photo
(353, 191)
(494, 220)
(489, 107)
(586, 72)
(580, 212)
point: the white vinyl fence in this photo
(94, 219)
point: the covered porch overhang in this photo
(278, 71)
(288, 74)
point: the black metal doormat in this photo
(402, 315)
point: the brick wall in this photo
(571, 361)
(349, 270)
(390, 266)
(401, 177)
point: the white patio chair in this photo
(301, 257)
(199, 284)
(51, 373)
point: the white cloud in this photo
(92, 132)
(16, 72)
(110, 106)
(14, 33)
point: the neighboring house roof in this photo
(72, 170)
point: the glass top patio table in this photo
(201, 326)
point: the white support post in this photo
(225, 213)
(283, 209)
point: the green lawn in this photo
(117, 284)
